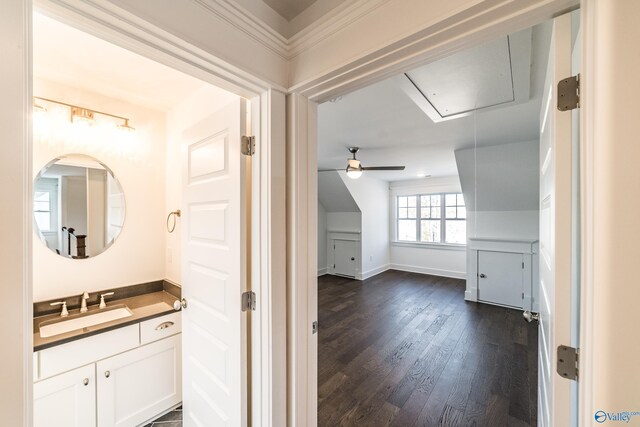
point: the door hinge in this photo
(248, 145)
(314, 327)
(248, 301)
(567, 364)
(569, 93)
(523, 265)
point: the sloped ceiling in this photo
(333, 195)
(390, 128)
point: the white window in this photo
(431, 218)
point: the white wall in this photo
(138, 161)
(322, 240)
(192, 109)
(501, 190)
(350, 222)
(444, 261)
(372, 197)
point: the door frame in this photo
(465, 29)
(268, 262)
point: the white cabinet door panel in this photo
(139, 384)
(344, 257)
(66, 400)
(500, 278)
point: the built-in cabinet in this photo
(503, 272)
(117, 388)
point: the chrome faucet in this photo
(83, 305)
(64, 312)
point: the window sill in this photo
(442, 246)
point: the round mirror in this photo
(78, 206)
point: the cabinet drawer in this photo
(87, 350)
(160, 327)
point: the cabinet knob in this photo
(85, 381)
(107, 374)
(180, 304)
(482, 275)
(353, 259)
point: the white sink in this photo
(103, 316)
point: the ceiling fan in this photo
(354, 167)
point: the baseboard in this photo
(431, 271)
(322, 271)
(471, 295)
(370, 273)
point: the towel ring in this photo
(173, 214)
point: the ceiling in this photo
(67, 56)
(289, 9)
(392, 125)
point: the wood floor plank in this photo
(405, 349)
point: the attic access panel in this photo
(473, 79)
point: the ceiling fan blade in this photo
(330, 170)
(383, 168)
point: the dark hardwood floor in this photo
(404, 349)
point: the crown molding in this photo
(288, 48)
(249, 24)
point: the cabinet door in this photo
(139, 384)
(66, 400)
(500, 278)
(344, 257)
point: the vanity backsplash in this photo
(43, 308)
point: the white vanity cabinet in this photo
(138, 384)
(66, 400)
(503, 272)
(124, 382)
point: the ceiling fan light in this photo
(354, 173)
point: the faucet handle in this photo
(64, 311)
(102, 303)
(83, 305)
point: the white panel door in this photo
(214, 270)
(137, 385)
(344, 257)
(500, 278)
(555, 233)
(66, 400)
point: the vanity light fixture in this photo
(79, 114)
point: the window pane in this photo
(451, 212)
(41, 206)
(407, 230)
(435, 212)
(462, 212)
(411, 200)
(425, 212)
(424, 200)
(402, 202)
(41, 196)
(430, 231)
(450, 199)
(435, 200)
(43, 220)
(456, 232)
(460, 199)
(411, 212)
(402, 212)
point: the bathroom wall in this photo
(138, 161)
(191, 110)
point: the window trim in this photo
(418, 220)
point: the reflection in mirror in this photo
(78, 206)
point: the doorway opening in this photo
(457, 173)
(140, 184)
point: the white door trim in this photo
(461, 31)
(103, 19)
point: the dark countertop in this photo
(143, 307)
